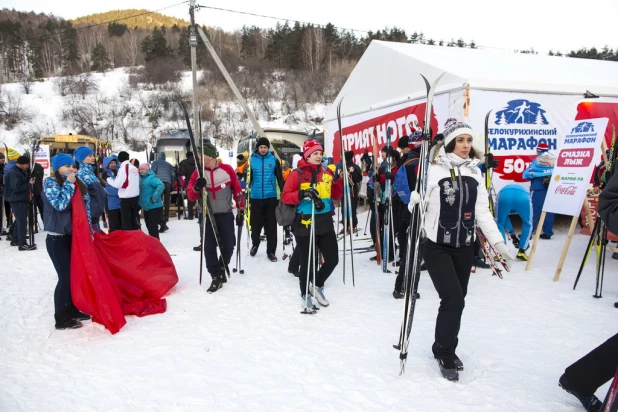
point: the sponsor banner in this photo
(359, 130)
(574, 164)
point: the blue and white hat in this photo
(453, 128)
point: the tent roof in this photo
(388, 74)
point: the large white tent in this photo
(385, 90)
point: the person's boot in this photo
(254, 250)
(397, 294)
(198, 248)
(590, 402)
(271, 257)
(319, 295)
(26, 247)
(217, 283)
(521, 255)
(448, 368)
(307, 305)
(64, 321)
(544, 236)
(77, 315)
(163, 227)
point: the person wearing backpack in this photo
(405, 183)
(312, 188)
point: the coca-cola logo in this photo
(566, 190)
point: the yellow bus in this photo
(67, 143)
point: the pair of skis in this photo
(416, 233)
(347, 199)
(206, 208)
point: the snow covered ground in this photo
(247, 347)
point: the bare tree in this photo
(13, 110)
(26, 82)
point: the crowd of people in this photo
(455, 204)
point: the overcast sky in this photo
(541, 24)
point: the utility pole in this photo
(193, 44)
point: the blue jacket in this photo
(266, 179)
(57, 209)
(150, 190)
(16, 186)
(98, 196)
(163, 169)
(113, 201)
(536, 173)
(9, 165)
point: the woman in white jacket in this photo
(456, 201)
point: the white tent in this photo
(385, 90)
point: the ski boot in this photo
(515, 240)
(198, 248)
(254, 250)
(398, 295)
(544, 236)
(271, 256)
(319, 295)
(448, 368)
(458, 363)
(521, 255)
(590, 402)
(217, 283)
(307, 305)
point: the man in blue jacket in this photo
(165, 172)
(17, 193)
(110, 164)
(266, 185)
(539, 173)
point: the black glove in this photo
(319, 204)
(490, 162)
(240, 217)
(389, 175)
(200, 183)
(310, 193)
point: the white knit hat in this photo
(453, 129)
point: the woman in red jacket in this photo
(311, 184)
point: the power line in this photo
(277, 18)
(105, 22)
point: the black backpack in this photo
(284, 213)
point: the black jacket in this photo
(608, 204)
(186, 169)
(38, 173)
(17, 187)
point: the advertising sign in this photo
(578, 149)
(42, 158)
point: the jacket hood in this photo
(108, 160)
(161, 156)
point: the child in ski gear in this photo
(57, 194)
(17, 192)
(539, 173)
(150, 191)
(110, 165)
(313, 188)
(583, 378)
(222, 187)
(456, 201)
(127, 183)
(186, 169)
(515, 199)
(84, 157)
(266, 184)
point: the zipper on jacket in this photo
(461, 196)
(263, 177)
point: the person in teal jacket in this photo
(150, 190)
(266, 182)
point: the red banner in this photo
(359, 137)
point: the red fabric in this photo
(126, 182)
(124, 273)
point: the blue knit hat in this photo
(60, 160)
(81, 153)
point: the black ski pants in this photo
(225, 223)
(263, 216)
(59, 251)
(402, 239)
(449, 269)
(592, 371)
(129, 213)
(165, 213)
(325, 244)
(113, 220)
(152, 218)
(20, 211)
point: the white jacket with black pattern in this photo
(456, 201)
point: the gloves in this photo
(389, 175)
(200, 183)
(310, 193)
(503, 249)
(415, 199)
(240, 217)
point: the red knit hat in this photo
(541, 147)
(311, 146)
